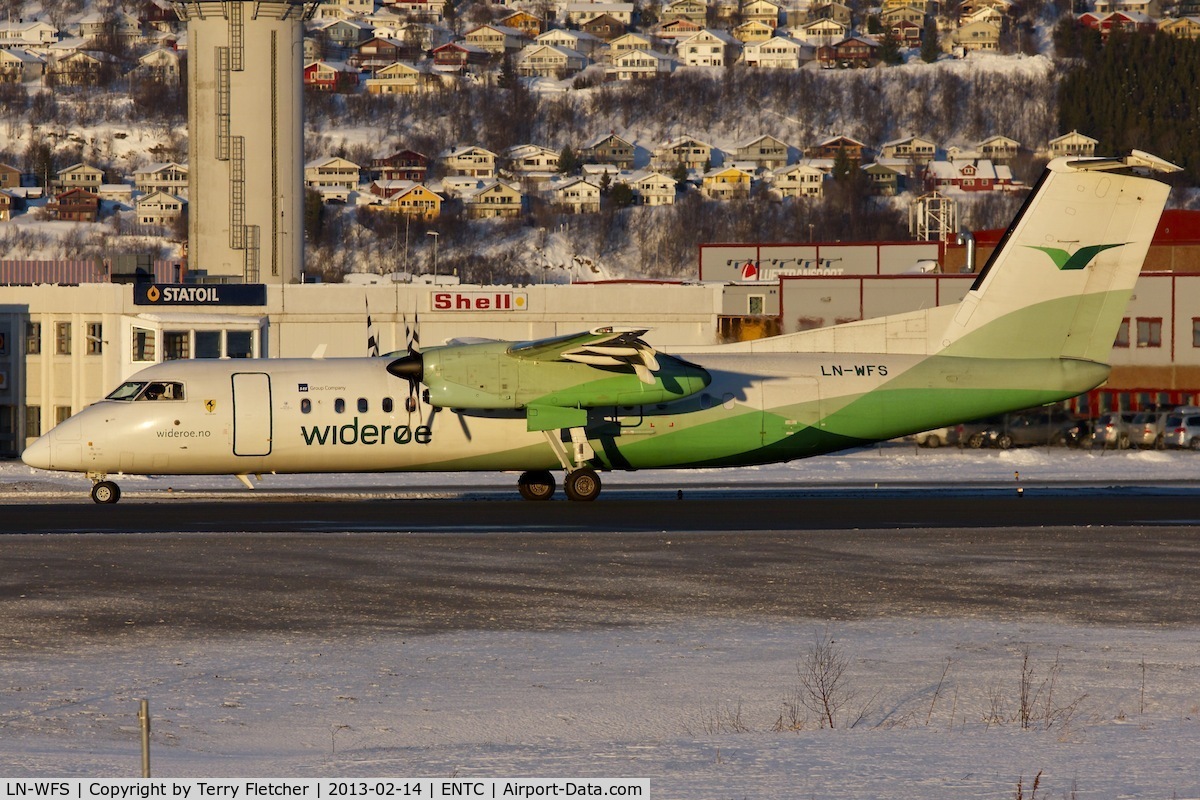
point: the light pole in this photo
(435, 236)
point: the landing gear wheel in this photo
(106, 492)
(536, 484)
(582, 484)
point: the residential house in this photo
(79, 176)
(19, 66)
(726, 183)
(548, 61)
(580, 41)
(778, 52)
(532, 161)
(891, 17)
(763, 11)
(967, 176)
(689, 151)
(678, 29)
(608, 149)
(652, 188)
(158, 15)
(166, 176)
(416, 201)
(404, 165)
(830, 148)
(883, 179)
(1072, 144)
(76, 205)
(342, 37)
(461, 57)
(1181, 27)
(838, 12)
(428, 11)
(975, 37)
(633, 41)
(332, 171)
(379, 51)
(330, 76)
(796, 180)
(530, 25)
(580, 14)
(908, 34)
(694, 11)
(1151, 8)
(402, 78)
(576, 195)
(7, 203)
(470, 161)
(910, 148)
(10, 177)
(999, 149)
(605, 27)
(161, 65)
(82, 68)
(764, 152)
(822, 32)
(850, 53)
(752, 32)
(1119, 20)
(968, 8)
(493, 200)
(496, 39)
(632, 65)
(158, 208)
(709, 48)
(22, 34)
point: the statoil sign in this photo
(192, 294)
(480, 301)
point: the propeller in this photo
(411, 367)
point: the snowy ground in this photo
(932, 709)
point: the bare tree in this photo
(824, 682)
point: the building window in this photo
(757, 303)
(239, 344)
(176, 345)
(1149, 332)
(6, 421)
(143, 344)
(33, 422)
(62, 338)
(1195, 331)
(1122, 339)
(208, 344)
(95, 338)
(33, 338)
(61, 414)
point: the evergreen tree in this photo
(568, 162)
(931, 46)
(890, 52)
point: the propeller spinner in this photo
(412, 369)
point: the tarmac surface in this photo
(90, 573)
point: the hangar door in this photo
(251, 414)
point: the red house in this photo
(460, 57)
(76, 205)
(330, 76)
(406, 165)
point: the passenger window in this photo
(387, 405)
(362, 405)
(305, 406)
(339, 405)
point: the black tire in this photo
(976, 441)
(582, 485)
(106, 492)
(933, 440)
(1004, 441)
(536, 485)
(1160, 442)
(1194, 444)
(1123, 441)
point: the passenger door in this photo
(252, 420)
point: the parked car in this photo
(973, 434)
(933, 438)
(1081, 434)
(1182, 428)
(1112, 430)
(1030, 428)
(1147, 428)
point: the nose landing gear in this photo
(104, 492)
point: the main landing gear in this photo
(104, 491)
(581, 483)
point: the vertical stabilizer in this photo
(1058, 282)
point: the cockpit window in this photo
(162, 390)
(126, 391)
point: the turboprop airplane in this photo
(1036, 327)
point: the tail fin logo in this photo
(1077, 260)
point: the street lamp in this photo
(435, 236)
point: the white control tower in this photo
(246, 137)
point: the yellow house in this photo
(400, 78)
(417, 202)
(1181, 27)
(727, 183)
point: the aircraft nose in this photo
(38, 453)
